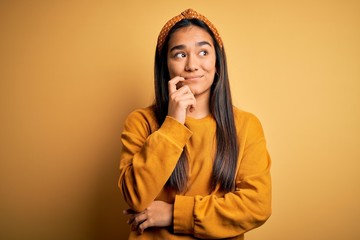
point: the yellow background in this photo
(71, 71)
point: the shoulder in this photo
(142, 119)
(243, 116)
(246, 121)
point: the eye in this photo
(179, 55)
(203, 53)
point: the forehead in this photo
(188, 35)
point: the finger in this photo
(189, 96)
(140, 218)
(184, 89)
(128, 211)
(172, 83)
(183, 100)
(144, 225)
(187, 103)
(192, 106)
(131, 214)
(132, 217)
(181, 94)
(130, 220)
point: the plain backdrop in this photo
(71, 71)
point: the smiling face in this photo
(191, 55)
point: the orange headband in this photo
(187, 14)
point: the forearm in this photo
(145, 168)
(222, 217)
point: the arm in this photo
(234, 213)
(148, 159)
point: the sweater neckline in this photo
(197, 120)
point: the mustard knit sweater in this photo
(150, 153)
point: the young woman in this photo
(193, 165)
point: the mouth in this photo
(193, 78)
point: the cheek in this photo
(172, 74)
(209, 66)
(174, 69)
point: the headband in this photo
(187, 14)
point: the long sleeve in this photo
(234, 213)
(148, 157)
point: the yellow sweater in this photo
(150, 153)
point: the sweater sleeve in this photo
(148, 159)
(237, 212)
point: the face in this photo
(192, 55)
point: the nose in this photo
(191, 63)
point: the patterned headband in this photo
(187, 14)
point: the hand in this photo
(158, 214)
(180, 100)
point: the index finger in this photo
(129, 211)
(172, 83)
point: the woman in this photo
(193, 165)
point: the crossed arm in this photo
(145, 168)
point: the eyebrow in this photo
(182, 46)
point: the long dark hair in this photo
(220, 107)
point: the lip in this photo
(193, 78)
